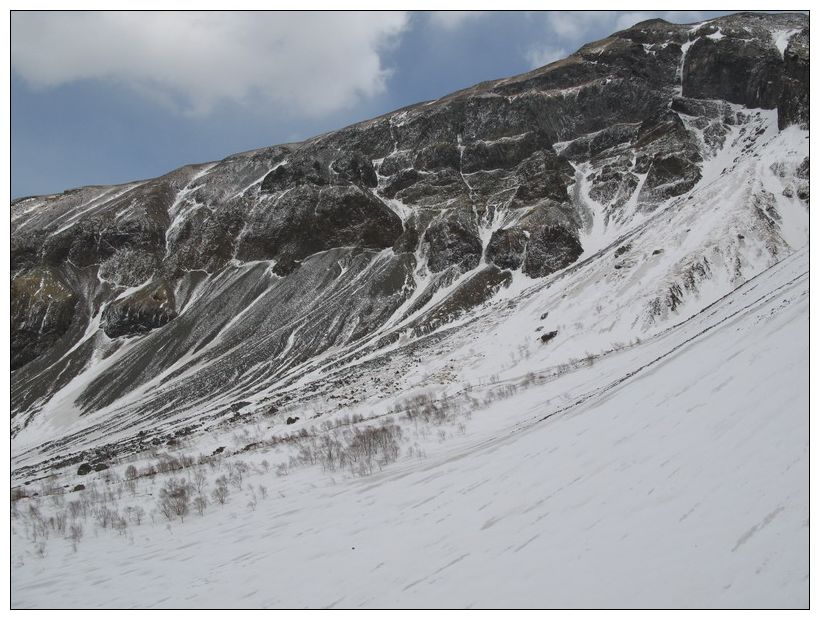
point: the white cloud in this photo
(311, 63)
(450, 20)
(538, 57)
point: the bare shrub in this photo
(135, 514)
(368, 447)
(200, 503)
(58, 522)
(106, 517)
(78, 508)
(236, 473)
(119, 524)
(75, 534)
(174, 499)
(330, 453)
(220, 492)
(200, 481)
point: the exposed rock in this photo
(302, 167)
(431, 188)
(408, 241)
(77, 244)
(402, 180)
(438, 156)
(25, 251)
(588, 147)
(478, 289)
(543, 176)
(803, 169)
(803, 191)
(148, 308)
(506, 247)
(135, 220)
(42, 308)
(504, 152)
(665, 131)
(321, 166)
(349, 216)
(203, 241)
(623, 250)
(793, 105)
(613, 185)
(669, 176)
(453, 240)
(549, 249)
(128, 267)
(309, 219)
(395, 163)
(739, 70)
(701, 107)
(354, 167)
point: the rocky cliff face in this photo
(175, 296)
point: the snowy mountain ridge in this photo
(481, 351)
(264, 281)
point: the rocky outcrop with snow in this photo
(621, 189)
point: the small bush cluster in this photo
(359, 450)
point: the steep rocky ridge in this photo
(280, 274)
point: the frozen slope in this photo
(673, 473)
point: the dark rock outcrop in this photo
(205, 240)
(543, 176)
(669, 176)
(42, 308)
(506, 247)
(309, 219)
(453, 240)
(793, 105)
(148, 308)
(438, 156)
(478, 289)
(504, 153)
(739, 70)
(549, 249)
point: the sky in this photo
(110, 97)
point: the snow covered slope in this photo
(672, 473)
(541, 342)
